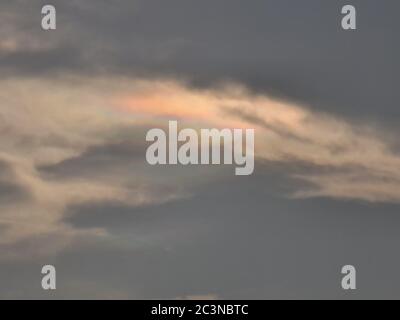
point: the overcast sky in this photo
(76, 190)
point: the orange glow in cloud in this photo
(174, 101)
(168, 100)
(173, 106)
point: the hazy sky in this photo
(76, 190)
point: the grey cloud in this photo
(235, 240)
(96, 159)
(294, 50)
(40, 62)
(6, 170)
(278, 128)
(10, 190)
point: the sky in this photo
(76, 191)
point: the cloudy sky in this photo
(76, 190)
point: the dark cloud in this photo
(96, 159)
(238, 239)
(40, 62)
(6, 169)
(10, 191)
(293, 50)
(278, 128)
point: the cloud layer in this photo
(73, 142)
(76, 191)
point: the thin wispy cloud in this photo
(55, 125)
